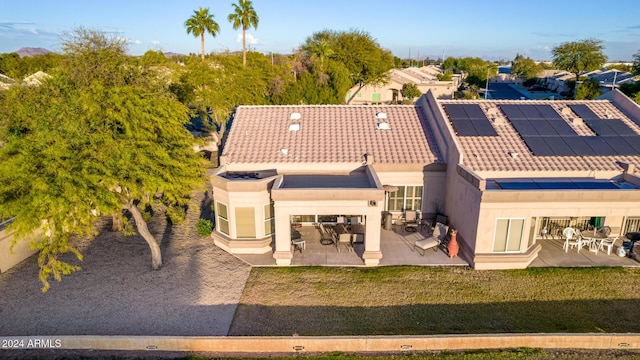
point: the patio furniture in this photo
(411, 220)
(570, 239)
(341, 220)
(433, 241)
(345, 239)
(605, 230)
(299, 244)
(608, 243)
(327, 236)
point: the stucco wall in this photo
(9, 257)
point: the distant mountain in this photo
(169, 55)
(28, 51)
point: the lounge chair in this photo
(432, 242)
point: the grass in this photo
(428, 300)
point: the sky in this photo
(492, 30)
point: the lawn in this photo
(426, 300)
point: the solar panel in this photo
(463, 127)
(512, 112)
(620, 146)
(530, 112)
(455, 111)
(633, 141)
(558, 146)
(619, 127)
(544, 128)
(556, 185)
(599, 127)
(473, 111)
(548, 112)
(517, 185)
(537, 146)
(562, 128)
(595, 185)
(579, 147)
(583, 111)
(524, 127)
(483, 127)
(599, 146)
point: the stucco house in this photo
(425, 78)
(501, 170)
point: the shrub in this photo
(204, 227)
(176, 214)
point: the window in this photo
(407, 197)
(632, 224)
(269, 217)
(358, 94)
(245, 223)
(375, 97)
(303, 219)
(223, 218)
(508, 235)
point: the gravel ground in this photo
(116, 293)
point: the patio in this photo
(552, 254)
(396, 246)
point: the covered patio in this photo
(552, 254)
(396, 247)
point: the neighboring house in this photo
(500, 170)
(558, 82)
(9, 256)
(517, 167)
(425, 78)
(609, 79)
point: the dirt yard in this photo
(116, 292)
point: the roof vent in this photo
(514, 155)
(295, 116)
(381, 115)
(383, 126)
(284, 151)
(294, 127)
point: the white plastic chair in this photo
(432, 242)
(571, 240)
(608, 243)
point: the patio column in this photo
(372, 253)
(282, 253)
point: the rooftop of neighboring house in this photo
(543, 136)
(388, 134)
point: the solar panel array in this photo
(556, 185)
(546, 133)
(469, 120)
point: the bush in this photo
(204, 227)
(176, 214)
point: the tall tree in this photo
(410, 91)
(636, 63)
(94, 147)
(525, 67)
(579, 56)
(245, 16)
(366, 61)
(202, 22)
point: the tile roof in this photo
(493, 153)
(330, 134)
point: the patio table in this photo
(593, 239)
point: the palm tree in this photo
(202, 22)
(243, 14)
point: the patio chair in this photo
(608, 243)
(411, 220)
(570, 239)
(605, 230)
(345, 239)
(432, 242)
(341, 220)
(326, 235)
